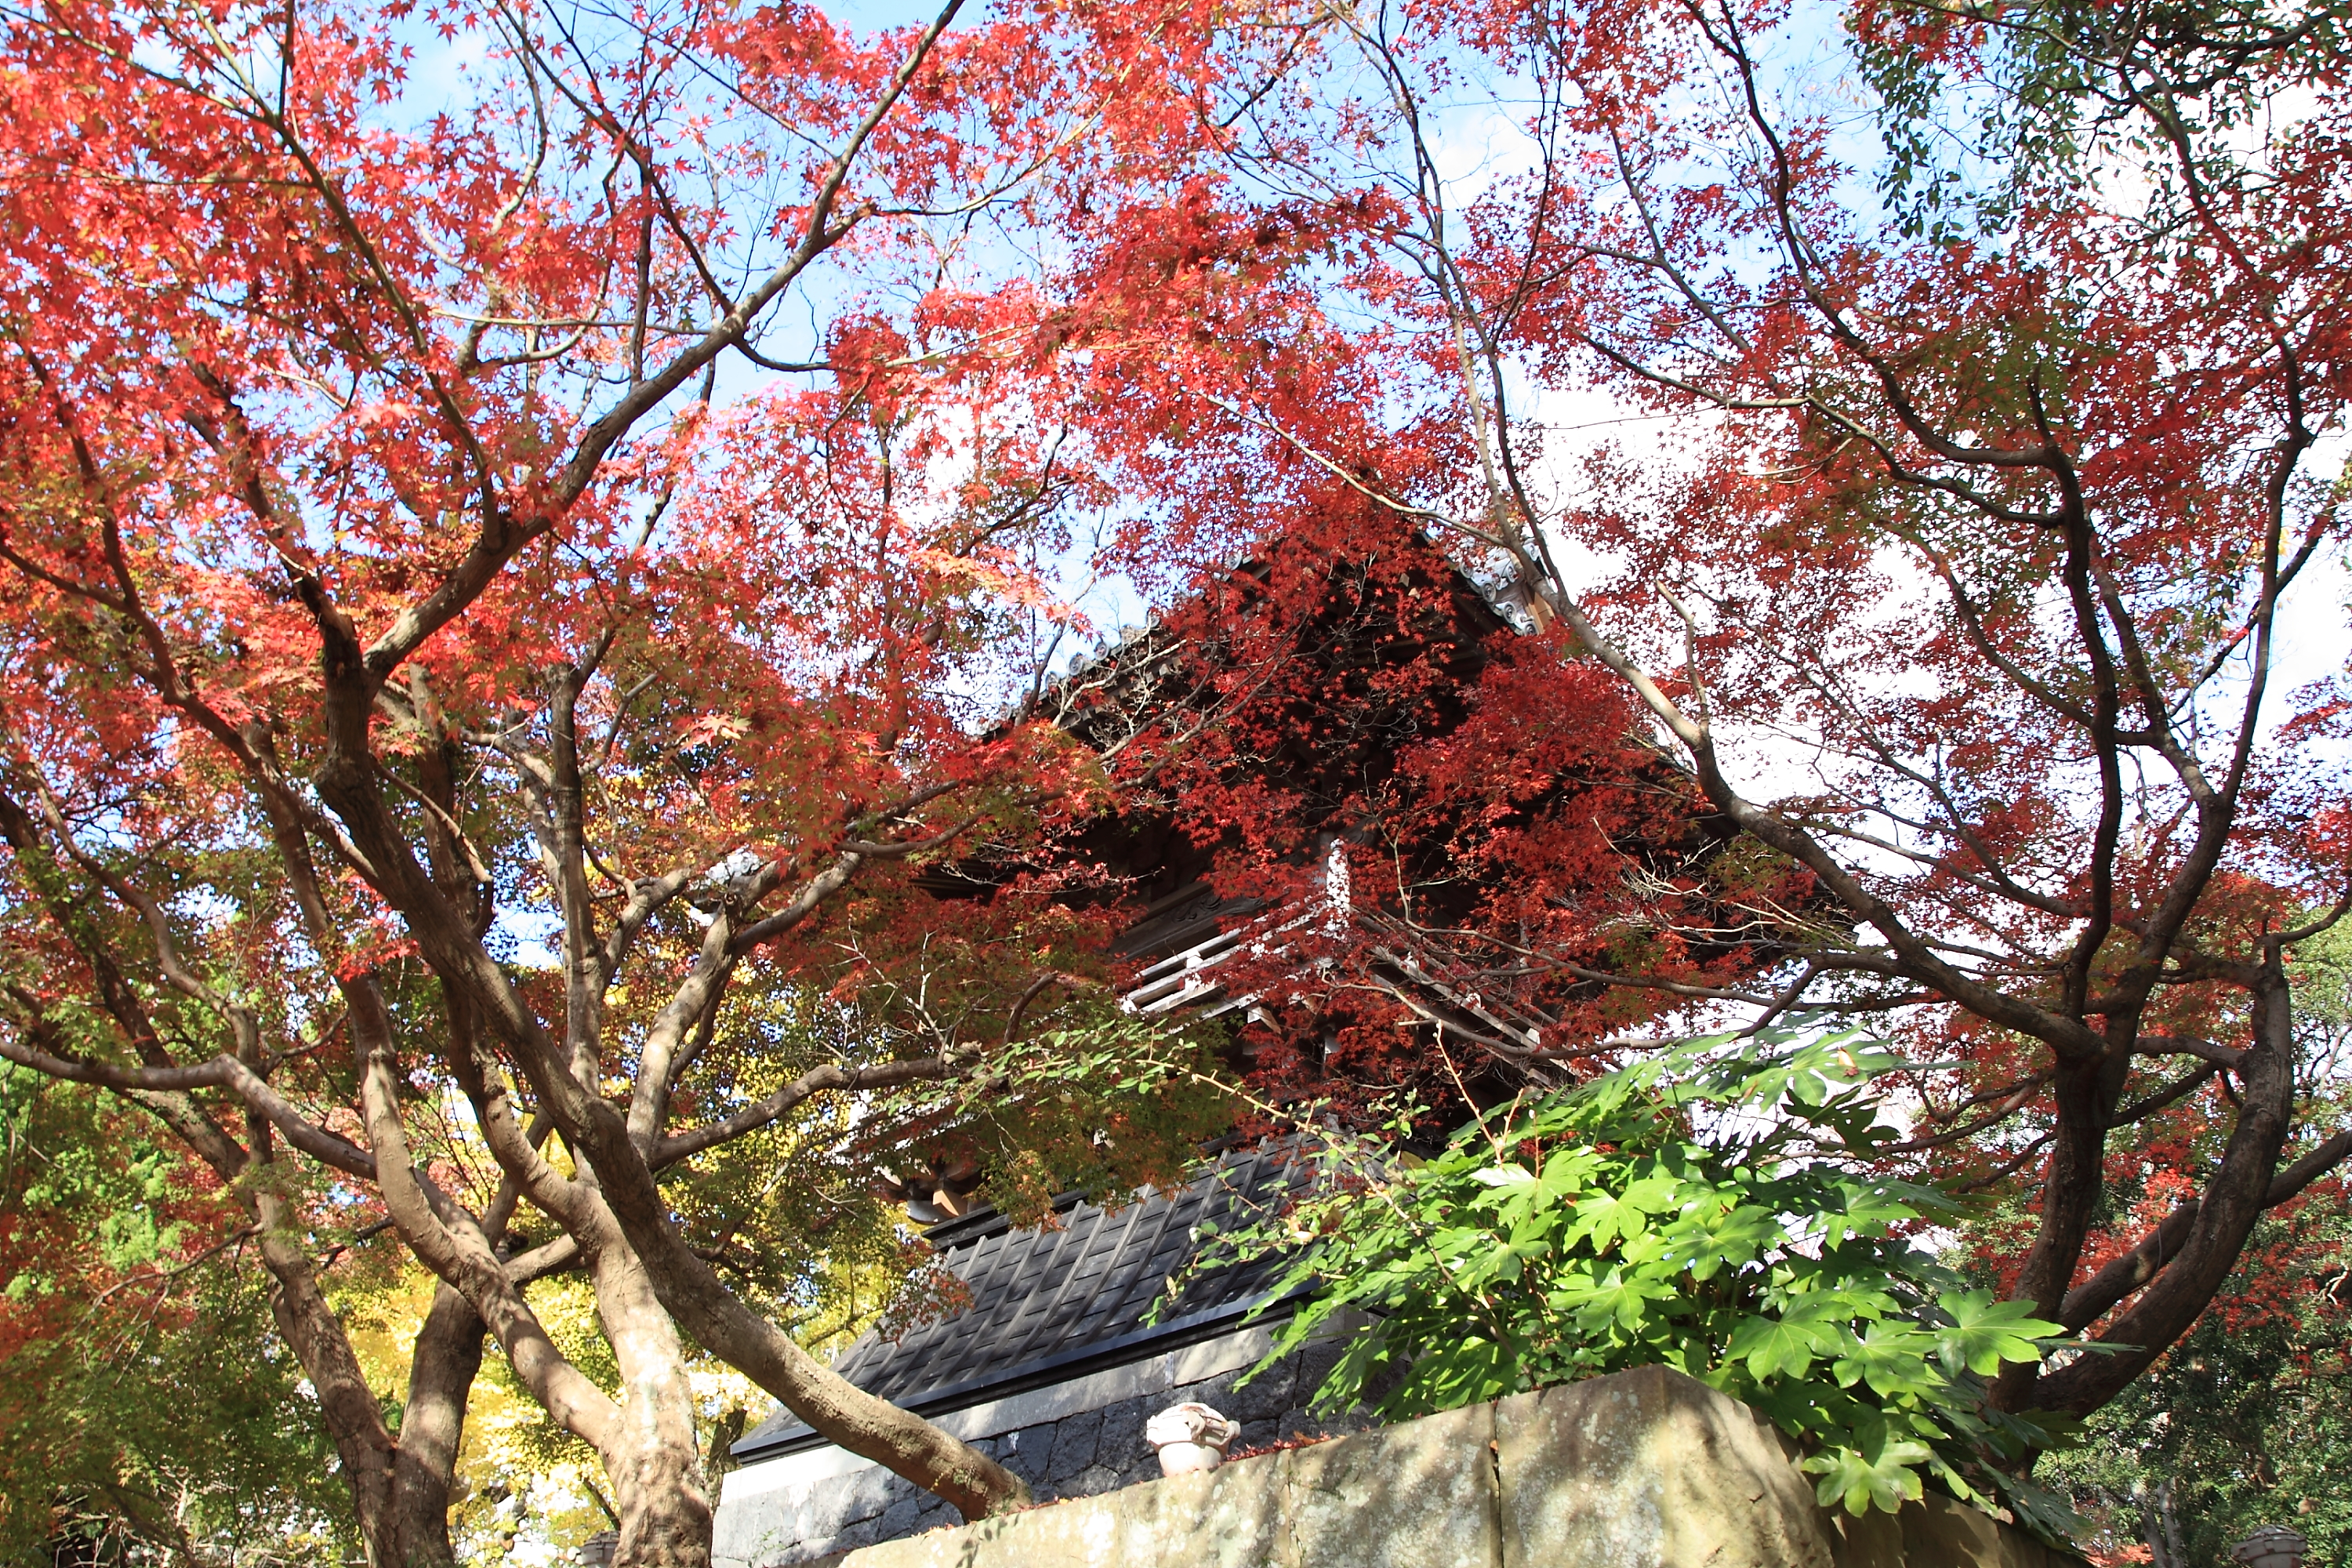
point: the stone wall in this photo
(1644, 1469)
(1073, 1439)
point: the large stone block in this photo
(1421, 1495)
(1872, 1540)
(1229, 1518)
(1940, 1533)
(1260, 1399)
(1074, 1446)
(1649, 1468)
(1644, 1469)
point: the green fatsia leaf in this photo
(2045, 1512)
(1869, 1208)
(1621, 1296)
(1862, 1482)
(1609, 1217)
(1788, 1345)
(1490, 1265)
(1810, 1089)
(1715, 1235)
(1468, 1371)
(1602, 1218)
(1985, 1334)
(1892, 1358)
(1568, 1171)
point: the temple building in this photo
(1059, 1357)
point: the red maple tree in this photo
(493, 549)
(1956, 584)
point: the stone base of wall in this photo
(1644, 1469)
(1070, 1440)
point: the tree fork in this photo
(694, 1295)
(2235, 1196)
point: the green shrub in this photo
(1713, 1208)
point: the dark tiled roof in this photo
(1052, 1304)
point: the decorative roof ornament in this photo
(1190, 1437)
(2272, 1546)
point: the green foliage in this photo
(143, 1437)
(151, 1414)
(1709, 1209)
(2247, 1421)
(792, 1204)
(1972, 135)
(1092, 1100)
(135, 1435)
(2323, 1002)
(1101, 1103)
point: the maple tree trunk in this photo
(656, 1467)
(347, 1406)
(399, 1486)
(834, 1408)
(646, 1440)
(442, 1369)
(694, 1297)
(2181, 1278)
(2085, 1090)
